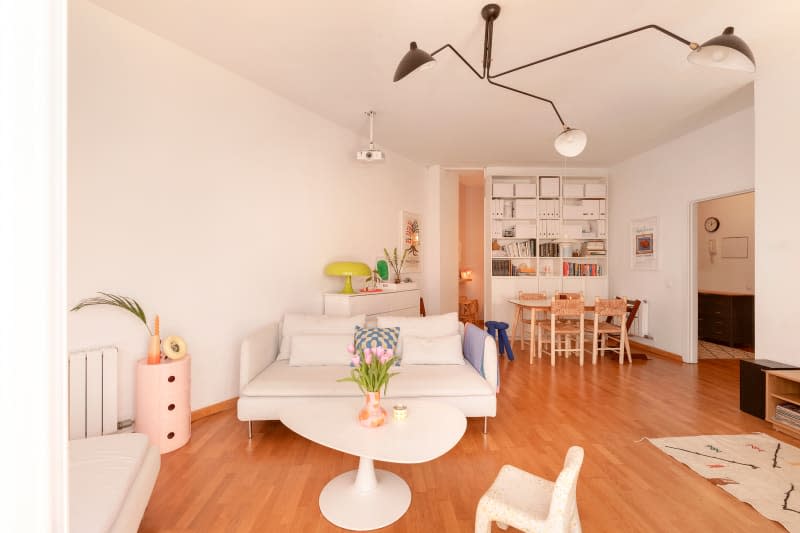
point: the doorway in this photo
(725, 277)
(471, 201)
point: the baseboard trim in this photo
(213, 409)
(658, 352)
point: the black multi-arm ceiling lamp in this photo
(724, 51)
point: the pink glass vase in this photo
(372, 414)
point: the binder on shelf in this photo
(525, 208)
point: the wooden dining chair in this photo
(526, 321)
(468, 310)
(633, 309)
(569, 295)
(615, 310)
(566, 322)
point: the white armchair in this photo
(530, 503)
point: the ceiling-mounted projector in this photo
(371, 154)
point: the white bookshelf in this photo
(551, 228)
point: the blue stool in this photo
(503, 344)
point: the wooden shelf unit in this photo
(783, 386)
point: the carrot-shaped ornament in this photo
(154, 347)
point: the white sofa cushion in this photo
(282, 380)
(444, 350)
(295, 324)
(425, 327)
(320, 350)
(102, 471)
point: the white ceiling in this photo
(337, 58)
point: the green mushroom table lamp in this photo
(347, 269)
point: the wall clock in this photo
(711, 224)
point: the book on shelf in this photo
(788, 413)
(501, 267)
(549, 249)
(519, 248)
(571, 269)
(595, 245)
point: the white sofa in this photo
(111, 479)
(268, 383)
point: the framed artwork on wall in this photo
(644, 244)
(411, 239)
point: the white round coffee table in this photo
(366, 498)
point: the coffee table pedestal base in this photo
(365, 499)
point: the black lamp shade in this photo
(413, 59)
(725, 51)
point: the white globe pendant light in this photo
(571, 142)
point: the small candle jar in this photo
(399, 412)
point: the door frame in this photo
(691, 348)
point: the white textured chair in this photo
(530, 503)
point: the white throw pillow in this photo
(423, 327)
(444, 350)
(315, 325)
(320, 350)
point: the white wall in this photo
(470, 237)
(714, 271)
(713, 160)
(448, 265)
(440, 240)
(777, 187)
(431, 239)
(212, 201)
(34, 461)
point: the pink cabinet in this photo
(163, 402)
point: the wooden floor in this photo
(220, 481)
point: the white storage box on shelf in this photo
(573, 190)
(500, 190)
(525, 190)
(595, 190)
(549, 186)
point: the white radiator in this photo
(641, 326)
(93, 392)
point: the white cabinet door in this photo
(573, 285)
(527, 284)
(550, 285)
(595, 287)
(503, 289)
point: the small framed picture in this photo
(644, 244)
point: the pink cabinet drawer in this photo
(163, 402)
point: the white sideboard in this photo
(373, 304)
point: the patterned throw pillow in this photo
(374, 337)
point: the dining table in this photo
(535, 306)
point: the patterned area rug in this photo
(755, 468)
(709, 350)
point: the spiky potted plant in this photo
(132, 306)
(396, 262)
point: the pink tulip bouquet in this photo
(371, 368)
